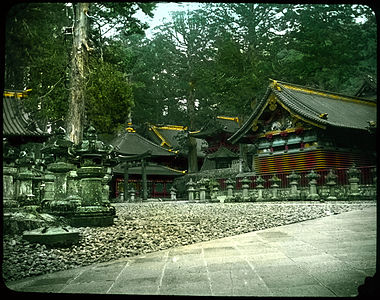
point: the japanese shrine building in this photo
(298, 128)
(220, 153)
(157, 168)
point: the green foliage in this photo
(203, 63)
(38, 55)
(109, 98)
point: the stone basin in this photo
(52, 236)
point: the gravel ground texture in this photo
(153, 226)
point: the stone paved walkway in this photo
(329, 256)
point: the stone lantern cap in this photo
(293, 176)
(274, 179)
(190, 183)
(91, 151)
(353, 171)
(245, 180)
(58, 144)
(312, 175)
(331, 177)
(260, 181)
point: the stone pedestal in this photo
(60, 205)
(48, 190)
(60, 171)
(173, 194)
(132, 195)
(9, 187)
(106, 189)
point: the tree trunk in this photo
(76, 112)
(192, 142)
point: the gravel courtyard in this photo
(152, 226)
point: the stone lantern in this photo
(202, 189)
(190, 189)
(312, 177)
(331, 183)
(173, 193)
(94, 210)
(274, 180)
(245, 186)
(353, 174)
(58, 167)
(260, 186)
(132, 194)
(294, 178)
(230, 185)
(9, 175)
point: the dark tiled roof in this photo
(215, 126)
(223, 152)
(151, 169)
(320, 108)
(166, 136)
(131, 143)
(16, 122)
(368, 89)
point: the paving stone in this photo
(231, 267)
(302, 291)
(91, 287)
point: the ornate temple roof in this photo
(131, 143)
(319, 108)
(16, 122)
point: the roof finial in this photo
(129, 123)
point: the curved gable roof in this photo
(320, 108)
(131, 143)
(16, 122)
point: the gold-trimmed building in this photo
(294, 127)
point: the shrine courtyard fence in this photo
(355, 183)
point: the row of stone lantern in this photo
(292, 194)
(207, 189)
(74, 183)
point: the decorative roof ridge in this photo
(168, 127)
(18, 94)
(236, 119)
(315, 91)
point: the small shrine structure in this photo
(141, 158)
(171, 137)
(220, 153)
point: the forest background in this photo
(215, 60)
